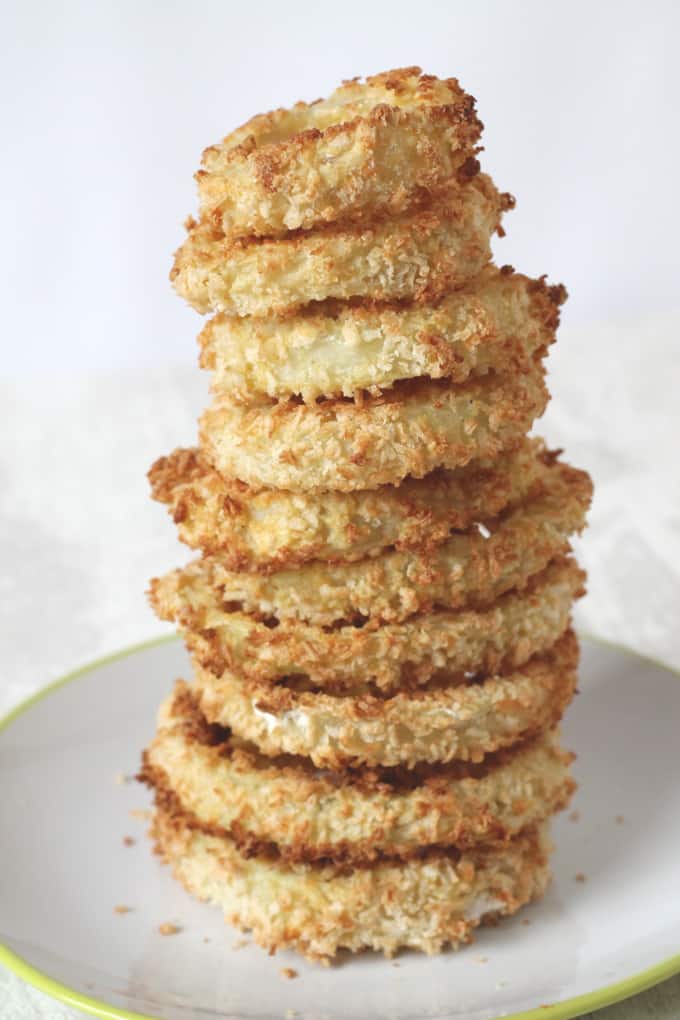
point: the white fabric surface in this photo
(80, 537)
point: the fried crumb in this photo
(142, 814)
(481, 959)
(525, 920)
(579, 877)
(575, 816)
(395, 964)
(206, 939)
(619, 819)
(128, 841)
(288, 973)
(241, 944)
(290, 1013)
(120, 908)
(168, 929)
(121, 778)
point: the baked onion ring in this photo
(411, 429)
(471, 569)
(351, 817)
(387, 657)
(421, 904)
(369, 148)
(496, 323)
(267, 529)
(420, 255)
(439, 723)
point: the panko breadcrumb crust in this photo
(418, 255)
(264, 530)
(351, 817)
(389, 656)
(411, 429)
(424, 904)
(472, 568)
(496, 323)
(379, 622)
(442, 722)
(371, 147)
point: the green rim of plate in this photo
(566, 1010)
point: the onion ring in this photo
(470, 569)
(353, 817)
(267, 529)
(420, 255)
(440, 723)
(422, 904)
(411, 429)
(370, 147)
(388, 657)
(496, 323)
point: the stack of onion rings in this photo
(379, 620)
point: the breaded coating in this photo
(421, 904)
(371, 147)
(461, 720)
(352, 817)
(411, 429)
(419, 255)
(379, 618)
(472, 568)
(388, 657)
(496, 323)
(267, 529)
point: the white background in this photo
(105, 111)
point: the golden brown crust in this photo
(438, 723)
(412, 429)
(285, 807)
(267, 529)
(419, 255)
(377, 146)
(387, 657)
(471, 569)
(379, 624)
(421, 904)
(496, 323)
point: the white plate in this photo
(65, 867)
